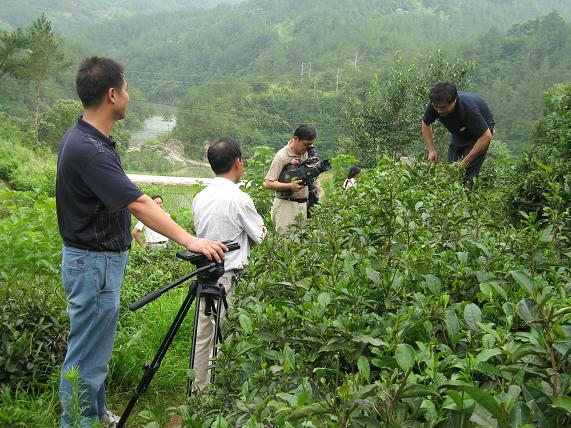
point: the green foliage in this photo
(515, 69)
(27, 169)
(32, 310)
(420, 279)
(258, 164)
(542, 177)
(388, 120)
(12, 44)
(55, 122)
(150, 158)
(268, 115)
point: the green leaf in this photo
(452, 324)
(289, 398)
(563, 402)
(525, 281)
(220, 422)
(308, 411)
(525, 349)
(546, 234)
(266, 336)
(519, 415)
(433, 284)
(512, 395)
(487, 402)
(526, 310)
(366, 391)
(472, 316)
(373, 275)
(486, 354)
(364, 367)
(375, 341)
(412, 390)
(405, 356)
(366, 421)
(540, 405)
(246, 323)
(324, 299)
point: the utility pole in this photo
(310, 70)
(356, 58)
(301, 68)
(337, 83)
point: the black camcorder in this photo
(307, 170)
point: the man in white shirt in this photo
(153, 239)
(223, 211)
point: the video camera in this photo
(307, 170)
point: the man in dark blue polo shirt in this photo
(469, 120)
(94, 201)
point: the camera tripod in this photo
(205, 286)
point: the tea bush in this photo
(407, 301)
(32, 312)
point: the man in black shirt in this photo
(94, 200)
(468, 119)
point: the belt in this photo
(298, 200)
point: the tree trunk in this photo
(37, 128)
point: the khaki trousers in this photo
(284, 213)
(205, 334)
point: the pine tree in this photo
(43, 59)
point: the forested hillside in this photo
(270, 39)
(275, 53)
(513, 70)
(68, 15)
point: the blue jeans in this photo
(92, 284)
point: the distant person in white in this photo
(152, 239)
(223, 211)
(351, 179)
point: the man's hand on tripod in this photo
(207, 247)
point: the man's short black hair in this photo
(222, 155)
(157, 197)
(443, 92)
(95, 77)
(306, 132)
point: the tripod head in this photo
(200, 261)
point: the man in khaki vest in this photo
(291, 198)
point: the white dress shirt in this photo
(223, 212)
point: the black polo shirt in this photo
(92, 191)
(469, 120)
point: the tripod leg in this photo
(151, 369)
(217, 334)
(194, 336)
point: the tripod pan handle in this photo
(144, 300)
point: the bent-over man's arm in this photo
(427, 135)
(480, 146)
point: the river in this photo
(153, 127)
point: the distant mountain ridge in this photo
(272, 38)
(67, 15)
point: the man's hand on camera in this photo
(208, 248)
(296, 186)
